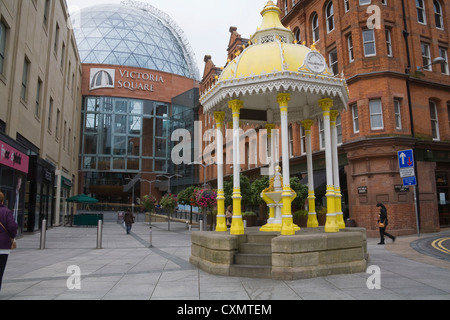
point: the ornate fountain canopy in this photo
(274, 63)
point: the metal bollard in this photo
(201, 225)
(151, 237)
(99, 234)
(43, 234)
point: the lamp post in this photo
(132, 201)
(150, 192)
(204, 171)
(169, 191)
(435, 61)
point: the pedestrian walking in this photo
(383, 223)
(229, 216)
(129, 220)
(8, 232)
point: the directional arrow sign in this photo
(406, 159)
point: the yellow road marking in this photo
(438, 245)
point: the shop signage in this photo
(130, 80)
(13, 158)
(362, 190)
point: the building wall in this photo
(38, 32)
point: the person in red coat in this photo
(8, 231)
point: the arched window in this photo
(330, 16)
(297, 35)
(315, 27)
(421, 16)
(438, 15)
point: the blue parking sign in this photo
(410, 181)
(406, 159)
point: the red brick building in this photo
(379, 47)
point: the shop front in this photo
(13, 175)
(40, 194)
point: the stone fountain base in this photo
(309, 253)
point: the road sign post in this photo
(408, 172)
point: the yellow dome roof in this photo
(272, 50)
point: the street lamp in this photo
(435, 61)
(204, 170)
(132, 201)
(169, 178)
(168, 190)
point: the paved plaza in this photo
(128, 269)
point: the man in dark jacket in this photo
(383, 223)
(129, 220)
(8, 231)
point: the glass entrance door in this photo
(443, 194)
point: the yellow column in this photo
(287, 227)
(331, 224)
(221, 219)
(312, 215)
(337, 184)
(237, 226)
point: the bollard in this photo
(151, 237)
(43, 234)
(99, 234)
(201, 225)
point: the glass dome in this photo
(132, 36)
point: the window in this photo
(369, 43)
(438, 14)
(384, 2)
(339, 129)
(376, 114)
(63, 55)
(448, 113)
(364, 2)
(49, 116)
(333, 58)
(291, 142)
(2, 45)
(303, 138)
(46, 13)
(388, 42)
(315, 27)
(420, 6)
(321, 134)
(330, 16)
(443, 54)
(346, 5)
(351, 54)
(286, 11)
(58, 116)
(434, 120)
(56, 39)
(26, 67)
(398, 114)
(37, 110)
(355, 118)
(297, 35)
(426, 57)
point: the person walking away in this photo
(383, 223)
(129, 220)
(229, 216)
(8, 232)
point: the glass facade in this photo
(127, 36)
(125, 135)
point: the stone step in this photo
(251, 271)
(253, 259)
(261, 237)
(261, 248)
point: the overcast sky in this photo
(206, 23)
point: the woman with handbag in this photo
(383, 223)
(8, 232)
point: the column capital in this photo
(236, 106)
(283, 99)
(269, 127)
(333, 116)
(326, 104)
(219, 117)
(307, 124)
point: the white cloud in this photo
(206, 23)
